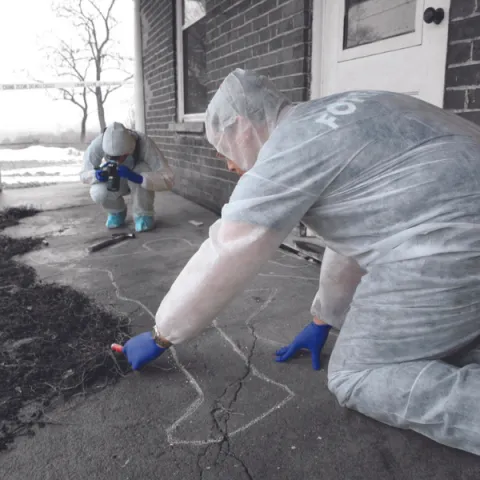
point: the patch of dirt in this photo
(12, 186)
(11, 216)
(54, 340)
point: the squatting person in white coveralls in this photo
(142, 168)
(392, 184)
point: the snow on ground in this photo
(38, 165)
(40, 153)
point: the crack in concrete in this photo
(224, 447)
(221, 412)
(245, 468)
(250, 368)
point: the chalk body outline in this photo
(196, 404)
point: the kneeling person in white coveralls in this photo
(142, 168)
(392, 184)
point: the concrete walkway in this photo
(217, 407)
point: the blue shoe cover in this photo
(143, 223)
(116, 220)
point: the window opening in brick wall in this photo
(191, 60)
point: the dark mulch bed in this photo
(54, 341)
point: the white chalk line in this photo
(191, 409)
(144, 249)
(201, 397)
(256, 373)
(270, 341)
(286, 265)
(195, 405)
(274, 275)
(146, 245)
(117, 288)
(254, 370)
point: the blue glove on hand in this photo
(313, 338)
(125, 172)
(101, 175)
(141, 349)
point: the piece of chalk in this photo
(117, 348)
(194, 222)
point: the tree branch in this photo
(69, 60)
(106, 17)
(109, 91)
(70, 96)
(90, 53)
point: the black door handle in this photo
(435, 15)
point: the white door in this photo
(395, 45)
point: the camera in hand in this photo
(113, 180)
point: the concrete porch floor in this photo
(217, 407)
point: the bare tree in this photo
(72, 64)
(96, 54)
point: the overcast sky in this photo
(25, 27)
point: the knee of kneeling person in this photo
(343, 383)
(99, 193)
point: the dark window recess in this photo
(368, 21)
(195, 58)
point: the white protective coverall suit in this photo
(147, 160)
(392, 184)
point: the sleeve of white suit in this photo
(259, 216)
(160, 177)
(92, 158)
(339, 279)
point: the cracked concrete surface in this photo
(217, 407)
(223, 407)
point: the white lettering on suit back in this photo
(340, 108)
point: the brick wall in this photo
(462, 80)
(159, 70)
(272, 37)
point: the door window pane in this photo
(368, 21)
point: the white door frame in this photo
(319, 26)
(139, 79)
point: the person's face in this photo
(231, 165)
(120, 159)
(239, 145)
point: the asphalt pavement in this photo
(218, 406)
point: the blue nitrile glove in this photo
(101, 176)
(312, 337)
(125, 172)
(141, 349)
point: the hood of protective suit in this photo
(242, 114)
(117, 140)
